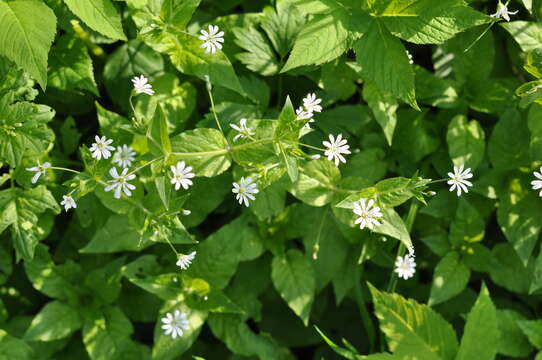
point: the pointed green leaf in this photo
(55, 321)
(100, 15)
(450, 278)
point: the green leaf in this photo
(117, 227)
(56, 281)
(383, 106)
(203, 149)
(521, 223)
(13, 348)
(528, 34)
(55, 321)
(288, 126)
(384, 61)
(24, 129)
(293, 277)
(100, 15)
(219, 255)
(71, 66)
(507, 146)
(394, 226)
(32, 26)
(450, 278)
(536, 284)
(533, 330)
(481, 330)
(427, 22)
(412, 328)
(346, 353)
(185, 53)
(316, 182)
(106, 335)
(332, 32)
(512, 341)
(270, 201)
(282, 27)
(466, 142)
(178, 13)
(259, 56)
(157, 133)
(508, 271)
(20, 209)
(468, 225)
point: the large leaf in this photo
(384, 107)
(293, 277)
(412, 328)
(32, 26)
(528, 34)
(466, 142)
(21, 209)
(100, 15)
(317, 182)
(384, 61)
(481, 330)
(55, 321)
(13, 348)
(450, 278)
(507, 146)
(203, 149)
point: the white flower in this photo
(244, 190)
(120, 182)
(187, 212)
(40, 170)
(185, 260)
(336, 147)
(142, 86)
(182, 175)
(502, 12)
(124, 156)
(315, 157)
(411, 251)
(457, 179)
(211, 40)
(410, 59)
(405, 267)
(311, 103)
(304, 115)
(101, 148)
(537, 184)
(68, 202)
(175, 324)
(368, 215)
(243, 130)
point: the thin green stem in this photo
(209, 91)
(312, 147)
(65, 169)
(144, 165)
(316, 247)
(201, 153)
(172, 247)
(358, 295)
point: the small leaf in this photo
(466, 142)
(55, 321)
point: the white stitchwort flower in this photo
(502, 12)
(185, 260)
(457, 179)
(336, 147)
(40, 170)
(311, 103)
(101, 148)
(120, 182)
(304, 115)
(537, 184)
(244, 190)
(368, 214)
(405, 266)
(142, 86)
(174, 324)
(212, 39)
(243, 130)
(187, 212)
(410, 59)
(182, 175)
(68, 202)
(124, 156)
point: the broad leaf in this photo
(450, 278)
(293, 277)
(317, 182)
(100, 15)
(55, 321)
(32, 26)
(466, 142)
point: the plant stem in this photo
(358, 295)
(65, 169)
(209, 91)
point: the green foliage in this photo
(290, 266)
